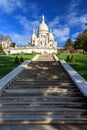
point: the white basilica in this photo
(44, 38)
(42, 41)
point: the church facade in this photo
(42, 41)
(44, 38)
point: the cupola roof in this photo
(43, 26)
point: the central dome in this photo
(43, 26)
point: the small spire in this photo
(43, 18)
(51, 31)
(33, 31)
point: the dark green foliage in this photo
(13, 44)
(81, 41)
(72, 59)
(1, 49)
(21, 59)
(68, 59)
(16, 60)
(68, 43)
(33, 53)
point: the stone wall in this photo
(30, 50)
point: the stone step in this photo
(41, 82)
(42, 98)
(36, 102)
(42, 113)
(42, 93)
(73, 89)
(42, 109)
(14, 93)
(80, 106)
(42, 119)
(47, 83)
(46, 90)
(59, 86)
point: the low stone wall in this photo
(30, 50)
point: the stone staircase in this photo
(43, 94)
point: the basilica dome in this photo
(51, 35)
(44, 37)
(33, 35)
(43, 26)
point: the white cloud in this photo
(62, 34)
(27, 25)
(75, 16)
(75, 20)
(9, 6)
(20, 39)
(73, 6)
(54, 22)
(75, 35)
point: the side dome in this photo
(43, 26)
(33, 35)
(51, 37)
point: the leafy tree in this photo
(85, 40)
(81, 41)
(13, 44)
(69, 45)
(1, 49)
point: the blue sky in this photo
(66, 18)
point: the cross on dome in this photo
(43, 18)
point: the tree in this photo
(16, 61)
(1, 49)
(81, 41)
(69, 45)
(13, 44)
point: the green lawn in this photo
(7, 62)
(80, 64)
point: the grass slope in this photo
(7, 63)
(80, 64)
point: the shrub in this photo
(68, 59)
(33, 52)
(16, 60)
(72, 59)
(21, 59)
